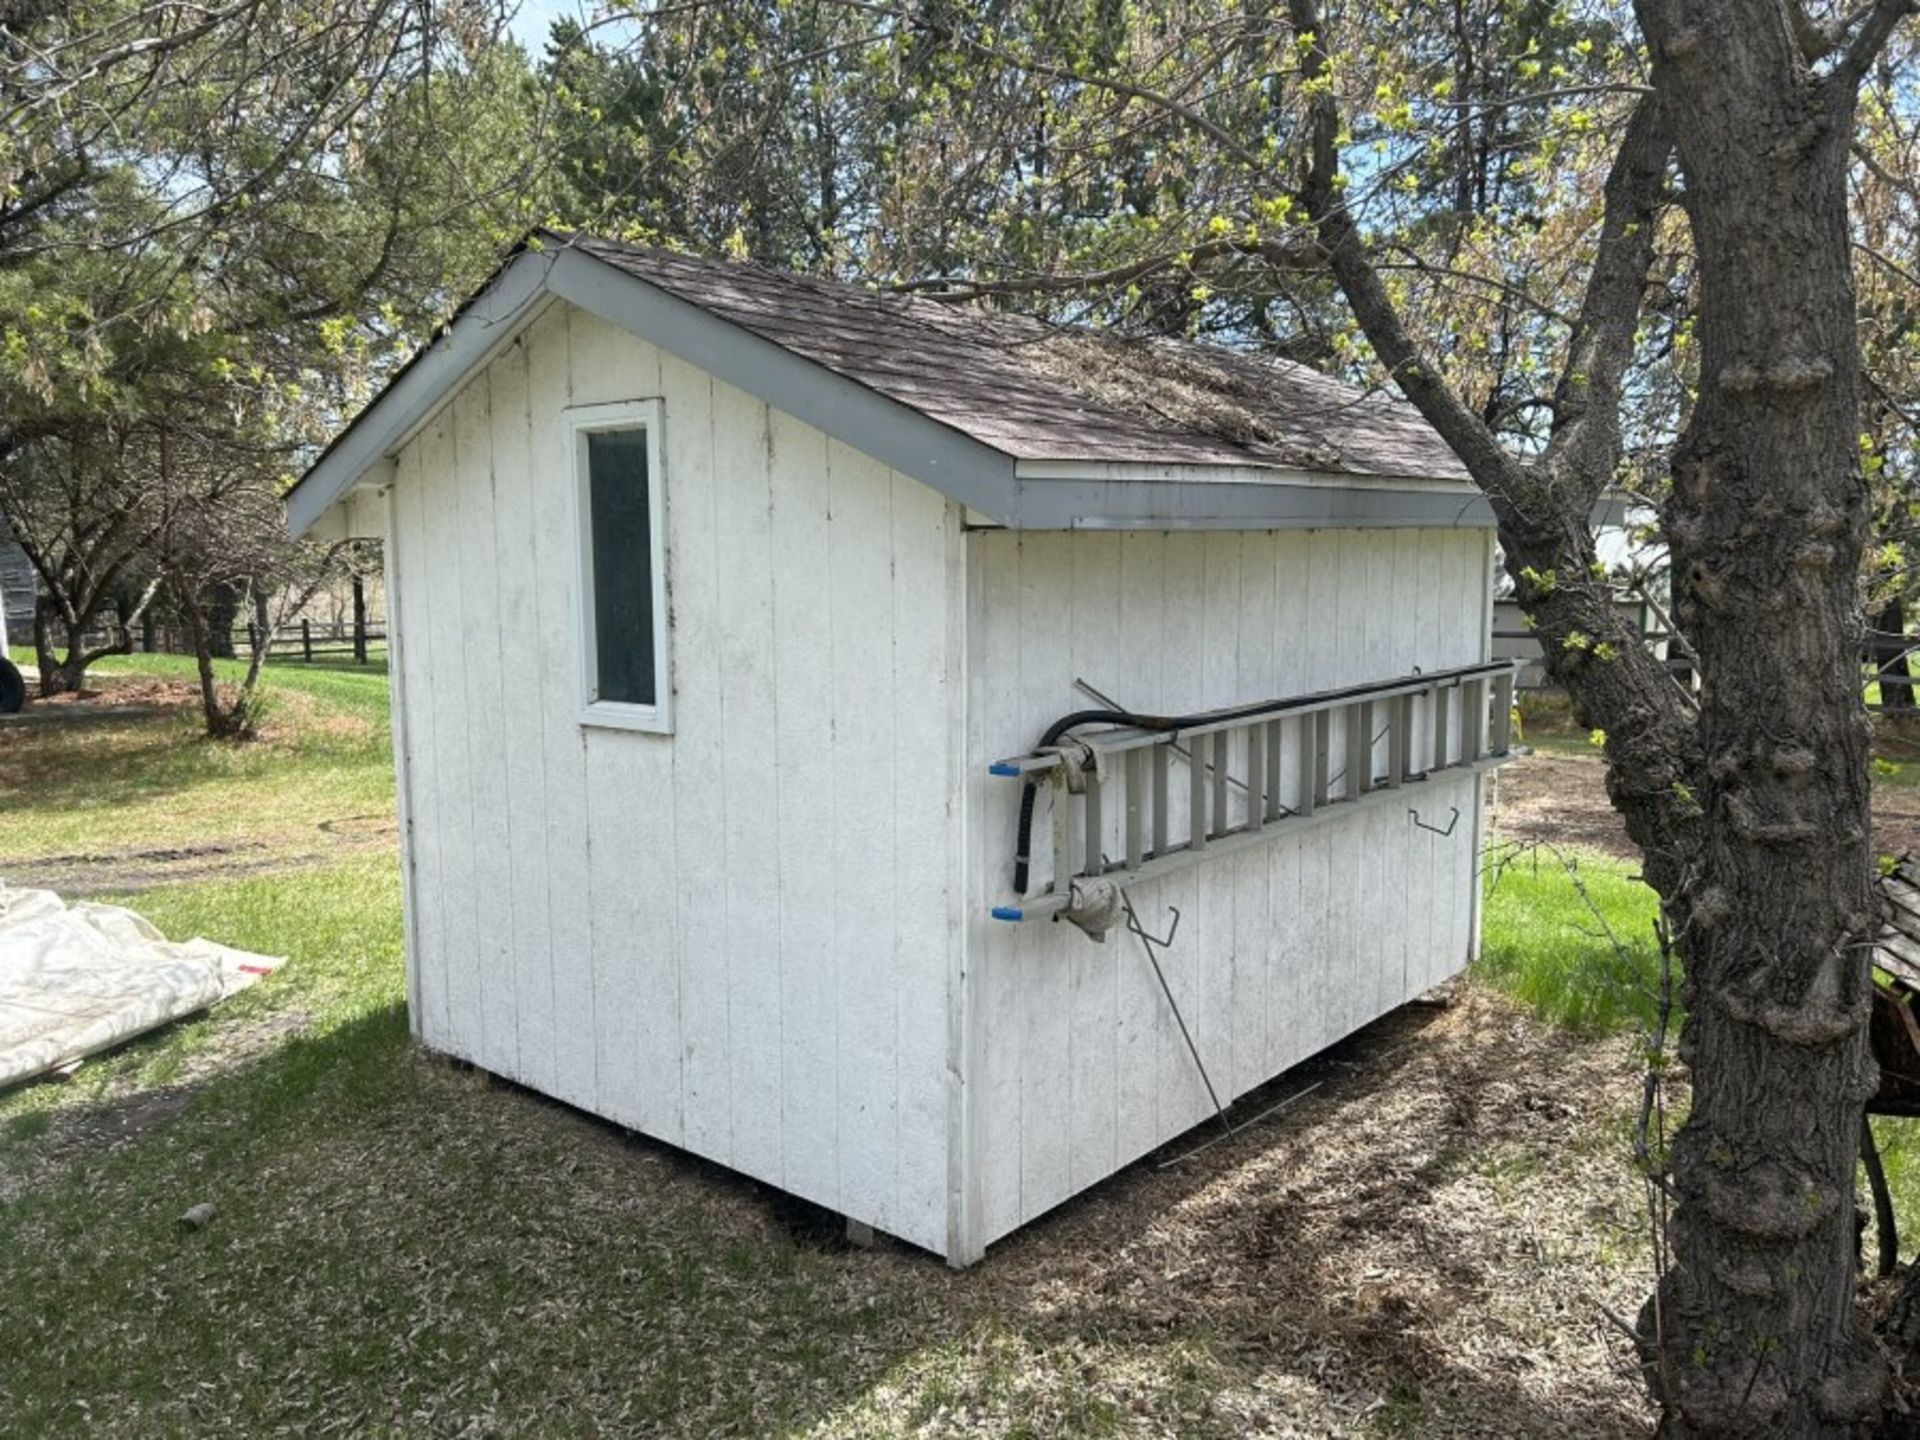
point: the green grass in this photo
(398, 1246)
(72, 786)
(1570, 934)
(1548, 931)
(401, 1246)
(338, 926)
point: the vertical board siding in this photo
(522, 729)
(491, 820)
(863, 841)
(925, 834)
(426, 987)
(749, 769)
(739, 938)
(1282, 949)
(1094, 565)
(563, 748)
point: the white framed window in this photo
(619, 518)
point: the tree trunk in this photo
(223, 609)
(43, 656)
(1769, 514)
(359, 621)
(219, 718)
(1754, 816)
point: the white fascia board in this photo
(956, 465)
(1067, 504)
(1141, 472)
(490, 320)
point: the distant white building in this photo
(730, 612)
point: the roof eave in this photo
(1274, 502)
(487, 322)
(954, 463)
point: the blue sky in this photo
(536, 17)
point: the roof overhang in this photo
(1026, 495)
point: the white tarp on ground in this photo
(76, 979)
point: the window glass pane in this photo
(622, 566)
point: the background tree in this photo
(294, 214)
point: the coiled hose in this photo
(1030, 787)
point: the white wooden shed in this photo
(730, 609)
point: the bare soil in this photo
(128, 872)
(1562, 799)
(1428, 1244)
(1559, 800)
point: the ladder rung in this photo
(1256, 777)
(1094, 823)
(1161, 797)
(1274, 740)
(1197, 747)
(1136, 798)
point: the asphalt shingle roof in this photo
(1039, 392)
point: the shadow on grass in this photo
(90, 763)
(400, 1243)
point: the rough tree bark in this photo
(1752, 815)
(1767, 521)
(223, 609)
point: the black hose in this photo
(1276, 708)
(1030, 787)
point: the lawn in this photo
(1570, 933)
(357, 1275)
(400, 1245)
(128, 782)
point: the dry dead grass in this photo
(1421, 1246)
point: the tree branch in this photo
(1297, 256)
(1472, 440)
(1585, 445)
(1877, 28)
(1546, 532)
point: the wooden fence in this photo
(308, 641)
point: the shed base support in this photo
(859, 1234)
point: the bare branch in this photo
(1281, 255)
(1585, 446)
(1472, 440)
(1875, 30)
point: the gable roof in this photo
(1036, 426)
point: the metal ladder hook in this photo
(1162, 941)
(1435, 829)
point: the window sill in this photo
(610, 715)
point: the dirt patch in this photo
(1562, 800)
(1424, 1245)
(115, 692)
(125, 1110)
(1559, 800)
(128, 872)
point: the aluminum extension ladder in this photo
(1129, 771)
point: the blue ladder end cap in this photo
(1001, 767)
(1008, 912)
